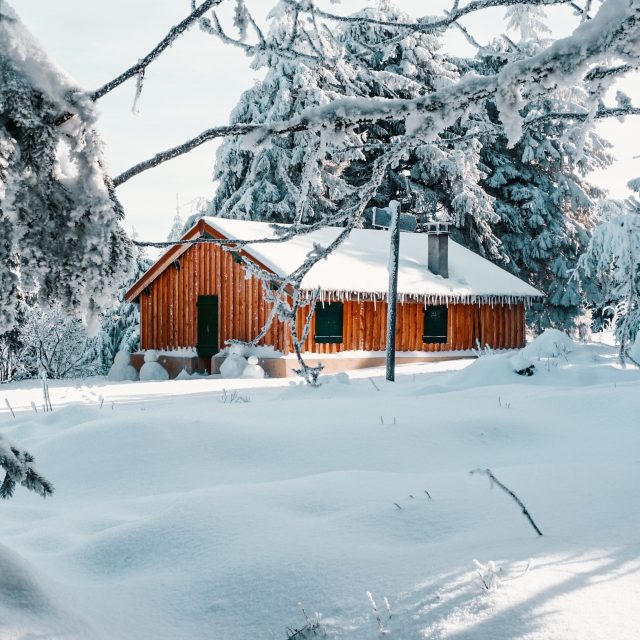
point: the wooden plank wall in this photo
(168, 312)
(500, 326)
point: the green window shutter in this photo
(436, 320)
(329, 322)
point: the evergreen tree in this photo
(59, 221)
(437, 176)
(120, 324)
(278, 182)
(544, 205)
(175, 233)
(610, 267)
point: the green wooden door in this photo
(207, 326)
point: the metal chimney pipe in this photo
(438, 248)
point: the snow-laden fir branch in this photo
(600, 114)
(139, 68)
(19, 470)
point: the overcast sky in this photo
(196, 84)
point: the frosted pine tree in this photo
(436, 176)
(295, 177)
(177, 225)
(610, 267)
(545, 207)
(60, 232)
(120, 323)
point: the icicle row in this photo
(339, 295)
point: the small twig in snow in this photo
(494, 480)
(8, 405)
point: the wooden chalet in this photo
(198, 296)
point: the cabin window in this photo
(436, 320)
(329, 322)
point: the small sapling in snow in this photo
(233, 397)
(383, 630)
(311, 629)
(489, 575)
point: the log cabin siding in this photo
(499, 326)
(169, 320)
(168, 307)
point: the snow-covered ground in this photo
(178, 515)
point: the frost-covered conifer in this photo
(610, 267)
(440, 175)
(59, 221)
(175, 233)
(120, 324)
(295, 177)
(544, 205)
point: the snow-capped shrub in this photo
(56, 344)
(549, 344)
(122, 370)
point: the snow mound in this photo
(152, 370)
(122, 370)
(18, 587)
(338, 378)
(521, 364)
(549, 344)
(253, 369)
(233, 366)
(151, 355)
(183, 375)
(489, 370)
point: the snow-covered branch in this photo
(429, 24)
(610, 33)
(600, 114)
(19, 469)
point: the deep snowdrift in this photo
(180, 515)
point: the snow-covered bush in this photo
(152, 370)
(551, 343)
(56, 344)
(122, 370)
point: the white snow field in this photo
(179, 516)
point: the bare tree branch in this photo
(174, 33)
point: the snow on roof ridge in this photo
(358, 267)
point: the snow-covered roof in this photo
(359, 265)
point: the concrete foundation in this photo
(283, 367)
